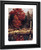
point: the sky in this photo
(24, 9)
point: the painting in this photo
(20, 24)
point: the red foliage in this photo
(19, 15)
(20, 38)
